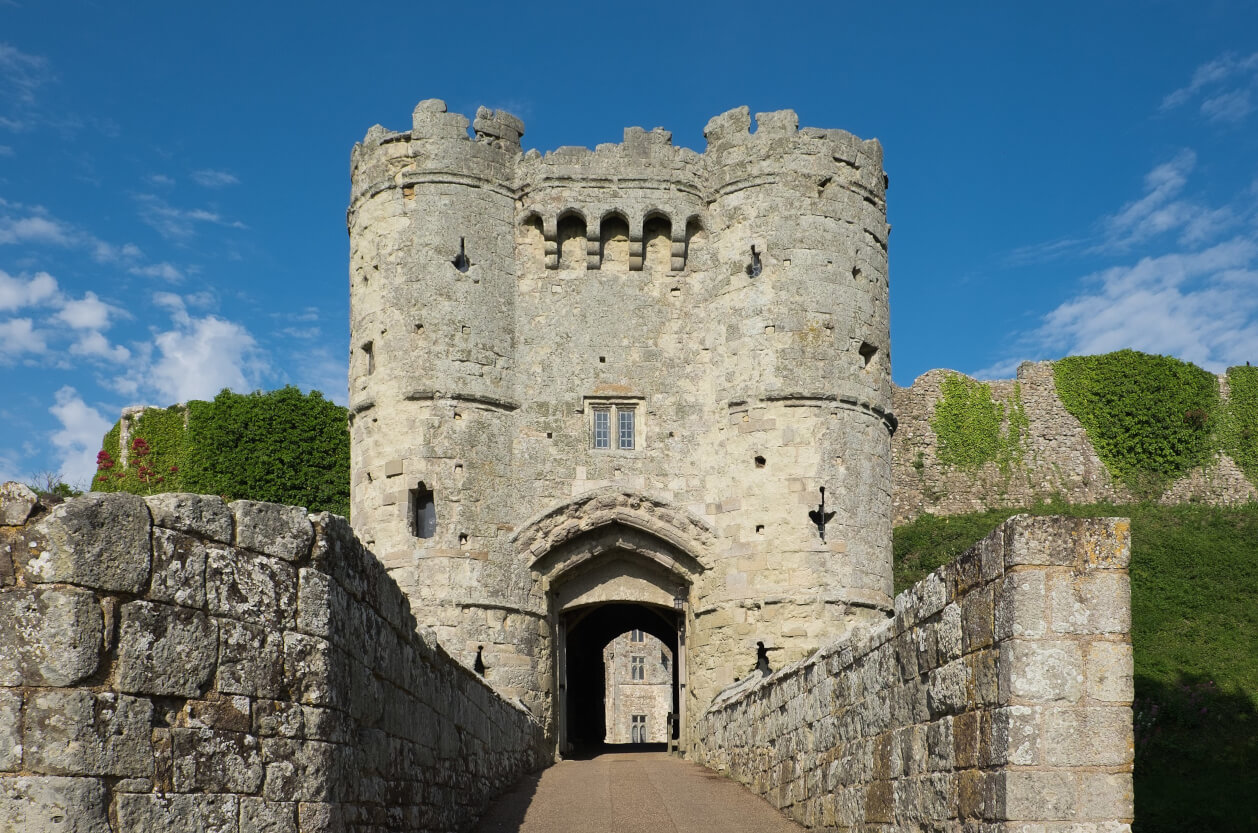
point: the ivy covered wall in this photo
(282, 446)
(1123, 427)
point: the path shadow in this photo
(590, 751)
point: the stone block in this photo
(270, 528)
(212, 761)
(1035, 795)
(1019, 607)
(315, 672)
(17, 502)
(319, 817)
(49, 636)
(178, 569)
(10, 730)
(77, 732)
(52, 805)
(1083, 543)
(977, 619)
(940, 750)
(99, 540)
(1109, 672)
(301, 770)
(1041, 672)
(165, 650)
(229, 714)
(1016, 737)
(250, 588)
(947, 689)
(278, 718)
(257, 815)
(1100, 736)
(174, 813)
(250, 660)
(1090, 603)
(1106, 796)
(206, 516)
(948, 633)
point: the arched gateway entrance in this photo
(613, 562)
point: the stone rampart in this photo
(1058, 460)
(997, 698)
(177, 664)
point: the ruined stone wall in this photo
(1058, 459)
(180, 664)
(999, 693)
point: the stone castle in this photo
(621, 378)
(635, 391)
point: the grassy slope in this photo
(1194, 580)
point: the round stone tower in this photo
(602, 390)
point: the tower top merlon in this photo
(498, 127)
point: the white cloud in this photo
(1221, 104)
(34, 229)
(164, 270)
(195, 359)
(82, 428)
(22, 73)
(160, 179)
(103, 252)
(1232, 106)
(1158, 210)
(18, 336)
(5, 150)
(1201, 307)
(214, 179)
(16, 293)
(87, 313)
(178, 223)
(94, 344)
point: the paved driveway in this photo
(627, 792)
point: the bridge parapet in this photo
(178, 663)
(999, 694)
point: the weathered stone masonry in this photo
(180, 664)
(998, 699)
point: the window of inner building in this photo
(637, 668)
(637, 728)
(423, 512)
(636, 636)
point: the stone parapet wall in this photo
(177, 663)
(998, 699)
(1058, 458)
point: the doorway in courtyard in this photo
(621, 675)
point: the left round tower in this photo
(432, 380)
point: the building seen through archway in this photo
(638, 689)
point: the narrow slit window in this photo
(423, 512)
(369, 358)
(602, 428)
(636, 636)
(867, 352)
(624, 418)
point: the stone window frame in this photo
(637, 728)
(606, 426)
(637, 668)
(637, 635)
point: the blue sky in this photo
(1065, 178)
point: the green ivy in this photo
(971, 426)
(1240, 435)
(281, 446)
(1149, 418)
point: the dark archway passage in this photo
(588, 630)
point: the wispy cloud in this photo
(1223, 85)
(21, 76)
(165, 271)
(18, 336)
(208, 178)
(34, 228)
(179, 223)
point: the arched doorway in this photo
(611, 561)
(585, 633)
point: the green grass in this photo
(1194, 604)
